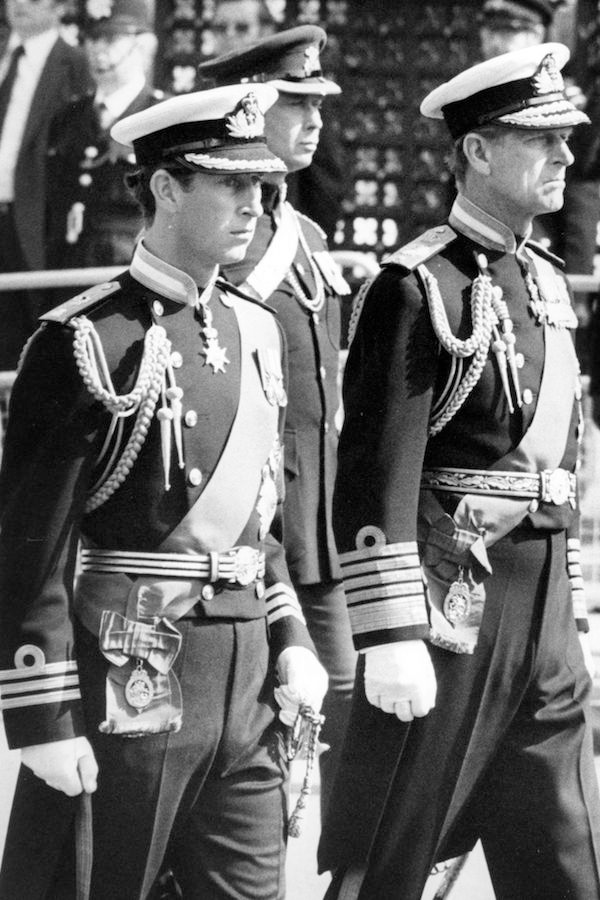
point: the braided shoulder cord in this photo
(357, 306)
(481, 306)
(92, 365)
(91, 362)
(477, 345)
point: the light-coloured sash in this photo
(542, 446)
(270, 271)
(217, 519)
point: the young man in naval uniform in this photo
(455, 512)
(146, 427)
(288, 266)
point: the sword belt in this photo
(556, 486)
(240, 565)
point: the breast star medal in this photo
(215, 356)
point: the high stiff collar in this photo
(484, 229)
(167, 280)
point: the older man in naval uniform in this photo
(289, 267)
(455, 512)
(144, 448)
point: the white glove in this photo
(302, 680)
(68, 766)
(588, 656)
(74, 223)
(399, 679)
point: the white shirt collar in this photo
(118, 101)
(35, 47)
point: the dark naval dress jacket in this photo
(193, 469)
(414, 415)
(285, 239)
(86, 166)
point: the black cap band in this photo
(487, 105)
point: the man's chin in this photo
(552, 202)
(236, 254)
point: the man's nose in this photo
(314, 117)
(566, 154)
(253, 201)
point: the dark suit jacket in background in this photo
(64, 74)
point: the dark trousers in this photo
(210, 799)
(326, 614)
(506, 755)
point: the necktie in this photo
(104, 117)
(7, 85)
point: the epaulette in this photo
(82, 303)
(546, 254)
(222, 284)
(422, 248)
(310, 221)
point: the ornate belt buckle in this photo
(245, 565)
(556, 486)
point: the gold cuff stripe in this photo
(41, 699)
(379, 551)
(387, 614)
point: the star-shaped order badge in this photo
(215, 356)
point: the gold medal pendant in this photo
(139, 691)
(457, 602)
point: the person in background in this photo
(92, 218)
(507, 25)
(289, 268)
(456, 516)
(595, 362)
(239, 22)
(317, 190)
(39, 72)
(143, 451)
(570, 233)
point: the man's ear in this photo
(476, 149)
(166, 190)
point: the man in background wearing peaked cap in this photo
(288, 266)
(570, 233)
(507, 25)
(455, 512)
(92, 219)
(144, 451)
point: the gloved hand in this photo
(68, 766)
(399, 679)
(302, 680)
(588, 656)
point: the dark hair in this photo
(457, 161)
(138, 184)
